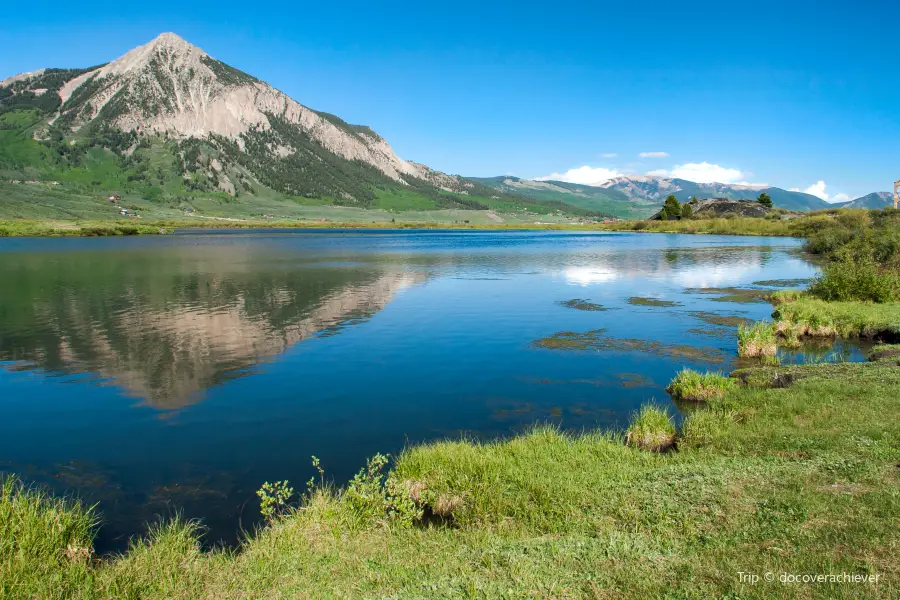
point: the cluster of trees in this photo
(673, 209)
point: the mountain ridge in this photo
(168, 124)
(647, 192)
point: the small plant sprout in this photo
(274, 499)
(311, 484)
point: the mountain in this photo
(168, 124)
(873, 200)
(656, 189)
(639, 196)
(587, 197)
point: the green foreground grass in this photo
(796, 480)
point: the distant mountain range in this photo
(641, 195)
(638, 196)
(873, 200)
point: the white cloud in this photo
(840, 198)
(609, 155)
(816, 189)
(653, 154)
(707, 173)
(658, 173)
(584, 175)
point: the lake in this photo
(155, 374)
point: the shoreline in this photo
(737, 226)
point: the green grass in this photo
(795, 480)
(82, 229)
(884, 352)
(757, 340)
(735, 226)
(699, 387)
(812, 316)
(651, 429)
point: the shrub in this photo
(699, 387)
(857, 277)
(757, 340)
(652, 429)
(274, 499)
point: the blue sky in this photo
(789, 93)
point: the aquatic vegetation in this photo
(597, 340)
(757, 340)
(579, 304)
(783, 283)
(733, 294)
(652, 429)
(634, 380)
(722, 320)
(717, 332)
(642, 301)
(699, 387)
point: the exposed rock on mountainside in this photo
(167, 123)
(171, 87)
(720, 207)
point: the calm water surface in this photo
(159, 373)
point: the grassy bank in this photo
(798, 480)
(77, 228)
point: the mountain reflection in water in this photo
(167, 327)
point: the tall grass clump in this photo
(757, 340)
(699, 387)
(652, 429)
(45, 543)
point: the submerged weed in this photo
(580, 304)
(642, 301)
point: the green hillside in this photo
(58, 164)
(583, 197)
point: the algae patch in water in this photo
(733, 294)
(581, 304)
(721, 320)
(597, 340)
(642, 301)
(717, 332)
(634, 380)
(783, 283)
